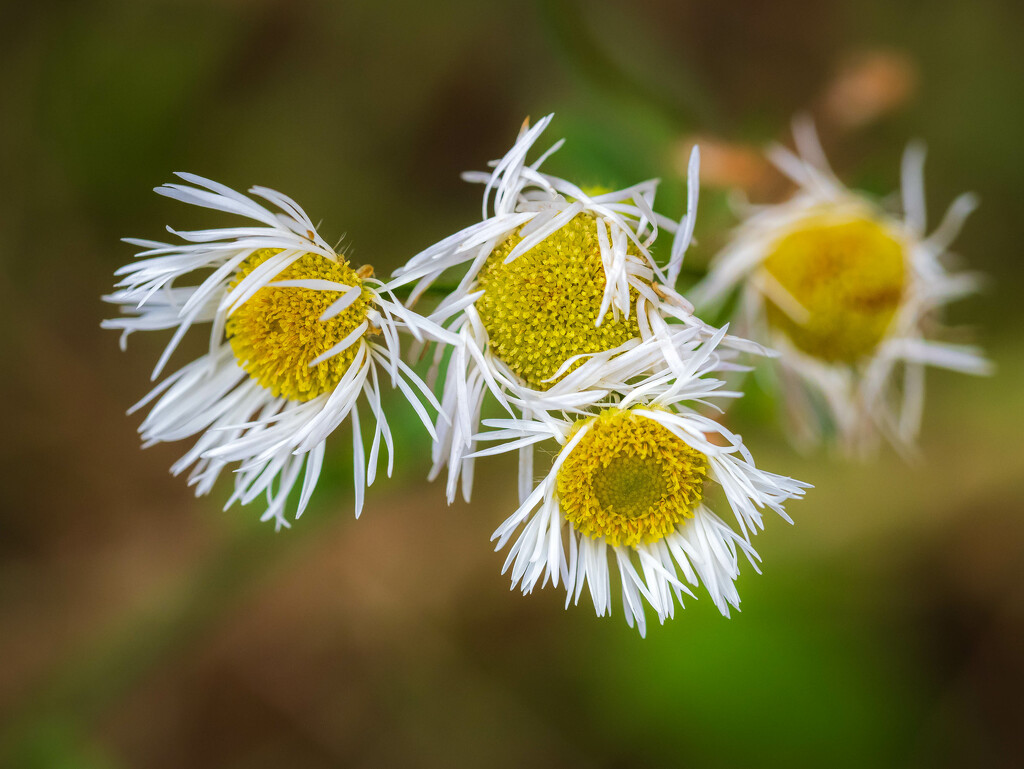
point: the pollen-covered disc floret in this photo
(541, 309)
(277, 333)
(850, 293)
(835, 286)
(297, 340)
(629, 480)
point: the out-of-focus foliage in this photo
(141, 627)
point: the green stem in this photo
(566, 21)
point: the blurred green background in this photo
(140, 627)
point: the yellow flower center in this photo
(629, 480)
(277, 333)
(834, 287)
(540, 309)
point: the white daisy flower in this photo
(848, 293)
(297, 336)
(631, 482)
(560, 285)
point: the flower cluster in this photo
(556, 314)
(569, 322)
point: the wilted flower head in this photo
(297, 338)
(561, 299)
(847, 293)
(631, 480)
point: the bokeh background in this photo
(140, 627)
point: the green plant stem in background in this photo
(567, 23)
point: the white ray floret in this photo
(882, 394)
(681, 353)
(277, 443)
